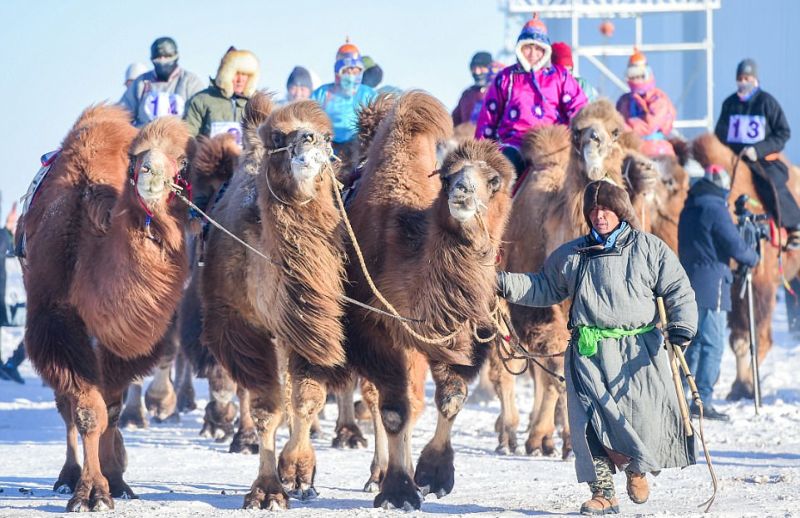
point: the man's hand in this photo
(750, 153)
(678, 337)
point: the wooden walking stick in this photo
(676, 359)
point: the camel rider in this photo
(527, 95)
(342, 98)
(622, 404)
(647, 110)
(163, 90)
(220, 107)
(752, 122)
(469, 105)
(562, 55)
(133, 71)
(373, 77)
(299, 85)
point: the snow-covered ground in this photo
(177, 473)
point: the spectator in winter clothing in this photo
(163, 90)
(220, 107)
(469, 105)
(133, 71)
(299, 85)
(373, 77)
(562, 55)
(752, 122)
(527, 95)
(622, 404)
(707, 241)
(342, 98)
(9, 370)
(646, 109)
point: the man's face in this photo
(240, 82)
(603, 219)
(299, 93)
(532, 53)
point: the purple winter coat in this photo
(518, 101)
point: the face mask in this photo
(743, 88)
(349, 84)
(163, 69)
(481, 79)
(641, 86)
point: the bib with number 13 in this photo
(746, 129)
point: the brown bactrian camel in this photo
(707, 150)
(104, 271)
(548, 212)
(256, 309)
(430, 236)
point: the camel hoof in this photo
(245, 442)
(186, 402)
(133, 419)
(304, 494)
(349, 436)
(268, 495)
(435, 471)
(543, 447)
(372, 486)
(119, 489)
(90, 496)
(161, 406)
(504, 449)
(398, 491)
(67, 479)
(740, 390)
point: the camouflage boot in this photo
(604, 500)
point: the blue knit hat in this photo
(534, 32)
(348, 55)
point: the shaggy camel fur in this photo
(102, 285)
(707, 150)
(430, 242)
(547, 212)
(280, 200)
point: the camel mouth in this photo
(462, 209)
(462, 194)
(151, 185)
(308, 164)
(593, 161)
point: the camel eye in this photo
(576, 136)
(278, 139)
(494, 182)
(446, 182)
(615, 133)
(327, 137)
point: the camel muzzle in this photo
(462, 196)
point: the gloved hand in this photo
(750, 153)
(501, 283)
(679, 337)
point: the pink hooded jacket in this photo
(647, 114)
(518, 101)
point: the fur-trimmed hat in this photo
(233, 61)
(606, 194)
(534, 32)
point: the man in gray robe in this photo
(623, 407)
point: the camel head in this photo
(158, 158)
(595, 131)
(476, 185)
(297, 138)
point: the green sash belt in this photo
(588, 336)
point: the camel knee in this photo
(114, 411)
(87, 421)
(394, 418)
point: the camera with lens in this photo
(753, 227)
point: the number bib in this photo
(234, 128)
(158, 104)
(746, 129)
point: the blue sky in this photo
(60, 56)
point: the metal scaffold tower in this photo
(517, 12)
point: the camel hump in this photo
(707, 150)
(547, 145)
(371, 115)
(215, 157)
(419, 113)
(256, 111)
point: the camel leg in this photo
(484, 391)
(221, 409)
(134, 415)
(504, 386)
(298, 464)
(348, 434)
(380, 458)
(562, 420)
(435, 470)
(113, 458)
(71, 472)
(183, 377)
(543, 417)
(160, 397)
(267, 408)
(245, 440)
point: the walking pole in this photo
(748, 279)
(677, 356)
(676, 376)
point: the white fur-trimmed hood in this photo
(237, 61)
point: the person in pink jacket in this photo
(529, 94)
(647, 110)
